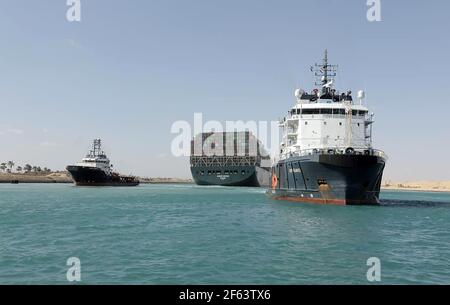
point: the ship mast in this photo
(97, 146)
(325, 68)
(96, 149)
(325, 74)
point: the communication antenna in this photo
(324, 74)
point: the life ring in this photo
(350, 151)
(274, 181)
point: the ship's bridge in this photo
(325, 125)
(328, 108)
(326, 119)
(99, 162)
(95, 160)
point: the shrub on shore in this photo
(8, 168)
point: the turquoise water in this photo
(184, 234)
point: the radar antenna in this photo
(96, 149)
(324, 74)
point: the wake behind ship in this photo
(326, 155)
(95, 170)
(229, 159)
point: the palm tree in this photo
(3, 167)
(10, 165)
(27, 168)
(19, 169)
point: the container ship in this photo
(96, 170)
(326, 155)
(229, 159)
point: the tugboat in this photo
(326, 154)
(95, 170)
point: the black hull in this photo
(89, 176)
(106, 184)
(245, 176)
(329, 179)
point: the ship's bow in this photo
(339, 179)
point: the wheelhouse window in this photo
(311, 111)
(327, 111)
(339, 111)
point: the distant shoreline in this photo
(418, 186)
(403, 189)
(14, 178)
(165, 181)
(64, 177)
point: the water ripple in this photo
(184, 234)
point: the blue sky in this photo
(130, 69)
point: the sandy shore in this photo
(165, 180)
(420, 186)
(60, 177)
(64, 177)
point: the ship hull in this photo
(91, 176)
(245, 176)
(328, 179)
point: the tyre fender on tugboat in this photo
(350, 151)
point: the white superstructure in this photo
(326, 120)
(97, 158)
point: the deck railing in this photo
(336, 151)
